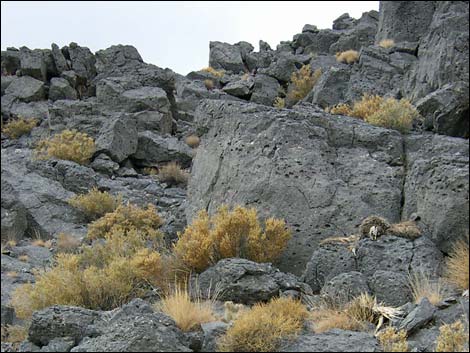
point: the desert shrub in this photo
(69, 145)
(173, 174)
(214, 72)
(14, 334)
(452, 338)
(340, 109)
(394, 114)
(262, 328)
(18, 127)
(209, 84)
(326, 319)
(393, 341)
(302, 82)
(100, 277)
(95, 203)
(387, 43)
(423, 286)
(126, 218)
(457, 265)
(279, 103)
(348, 56)
(235, 233)
(361, 309)
(192, 141)
(67, 243)
(188, 313)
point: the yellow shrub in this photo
(14, 334)
(457, 265)
(303, 81)
(192, 141)
(327, 319)
(67, 243)
(100, 277)
(394, 114)
(279, 103)
(173, 174)
(348, 56)
(393, 341)
(69, 145)
(95, 203)
(214, 72)
(235, 233)
(452, 338)
(361, 309)
(188, 313)
(126, 218)
(262, 328)
(368, 105)
(209, 84)
(19, 127)
(387, 43)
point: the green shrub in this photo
(18, 127)
(95, 203)
(126, 218)
(302, 82)
(69, 145)
(235, 233)
(264, 326)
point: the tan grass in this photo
(173, 174)
(209, 84)
(67, 243)
(327, 319)
(23, 258)
(193, 141)
(452, 338)
(279, 103)
(302, 82)
(214, 72)
(393, 341)
(387, 43)
(407, 229)
(422, 286)
(348, 56)
(457, 266)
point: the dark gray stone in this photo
(419, 317)
(26, 89)
(33, 64)
(240, 88)
(225, 56)
(59, 59)
(60, 89)
(212, 332)
(248, 282)
(345, 286)
(10, 62)
(331, 88)
(390, 288)
(118, 139)
(265, 90)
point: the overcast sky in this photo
(166, 33)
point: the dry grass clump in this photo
(18, 127)
(235, 233)
(23, 258)
(381, 225)
(69, 145)
(457, 267)
(387, 43)
(193, 141)
(385, 112)
(14, 334)
(126, 218)
(67, 243)
(302, 82)
(452, 338)
(214, 72)
(348, 56)
(327, 319)
(393, 341)
(407, 229)
(95, 203)
(395, 114)
(188, 313)
(173, 174)
(262, 328)
(279, 103)
(422, 286)
(150, 171)
(101, 277)
(209, 84)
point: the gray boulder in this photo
(33, 63)
(60, 89)
(322, 43)
(153, 121)
(419, 317)
(331, 88)
(102, 163)
(284, 65)
(153, 148)
(10, 61)
(59, 59)
(344, 22)
(345, 286)
(145, 98)
(83, 61)
(14, 214)
(26, 89)
(333, 341)
(117, 56)
(248, 282)
(226, 56)
(390, 288)
(212, 332)
(265, 90)
(6, 80)
(118, 139)
(240, 88)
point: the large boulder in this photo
(118, 139)
(26, 89)
(10, 62)
(33, 63)
(345, 286)
(248, 282)
(60, 89)
(265, 90)
(226, 57)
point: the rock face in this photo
(258, 156)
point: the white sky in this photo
(166, 33)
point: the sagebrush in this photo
(348, 56)
(95, 203)
(214, 72)
(452, 338)
(16, 128)
(173, 174)
(392, 340)
(302, 82)
(264, 326)
(68, 145)
(230, 233)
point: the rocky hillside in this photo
(240, 138)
